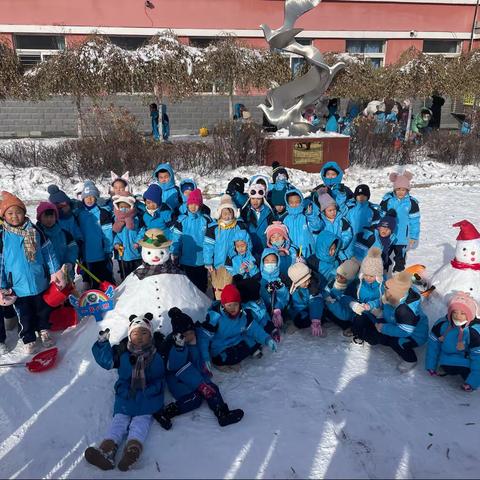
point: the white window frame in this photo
(445, 54)
(363, 56)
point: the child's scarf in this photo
(123, 219)
(142, 356)
(29, 235)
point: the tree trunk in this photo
(230, 107)
(409, 120)
(78, 106)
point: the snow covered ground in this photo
(316, 408)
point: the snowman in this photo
(463, 272)
(156, 286)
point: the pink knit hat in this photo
(465, 303)
(276, 227)
(195, 198)
(401, 181)
(44, 206)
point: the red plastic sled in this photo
(39, 363)
(63, 318)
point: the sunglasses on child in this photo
(260, 192)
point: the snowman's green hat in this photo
(155, 238)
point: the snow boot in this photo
(164, 416)
(30, 348)
(405, 367)
(102, 457)
(227, 417)
(131, 454)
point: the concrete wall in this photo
(57, 116)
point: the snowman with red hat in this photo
(463, 272)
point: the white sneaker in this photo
(3, 349)
(46, 339)
(30, 348)
(404, 366)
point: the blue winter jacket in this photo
(242, 264)
(96, 227)
(184, 368)
(259, 310)
(70, 224)
(302, 225)
(408, 217)
(340, 308)
(171, 194)
(64, 245)
(219, 331)
(272, 290)
(370, 293)
(362, 215)
(307, 302)
(406, 320)
(140, 402)
(322, 262)
(256, 224)
(342, 229)
(442, 348)
(128, 238)
(24, 277)
(219, 242)
(286, 259)
(339, 191)
(162, 218)
(188, 238)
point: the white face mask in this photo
(151, 212)
(460, 323)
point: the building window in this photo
(442, 47)
(371, 50)
(32, 49)
(128, 42)
(304, 41)
(201, 42)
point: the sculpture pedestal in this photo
(308, 153)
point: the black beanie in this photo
(362, 190)
(181, 322)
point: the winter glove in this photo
(330, 299)
(179, 340)
(103, 335)
(277, 318)
(7, 298)
(206, 390)
(358, 308)
(316, 328)
(274, 286)
(207, 368)
(432, 373)
(235, 185)
(467, 388)
(58, 278)
(271, 344)
(276, 335)
(163, 420)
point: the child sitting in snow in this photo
(361, 213)
(219, 242)
(404, 326)
(334, 221)
(273, 291)
(64, 245)
(126, 228)
(302, 223)
(406, 207)
(306, 303)
(138, 392)
(164, 177)
(157, 214)
(242, 262)
(230, 333)
(96, 227)
(188, 376)
(278, 239)
(188, 236)
(454, 342)
(29, 264)
(257, 215)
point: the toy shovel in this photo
(39, 363)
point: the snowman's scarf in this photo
(145, 270)
(464, 266)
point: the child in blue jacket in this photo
(164, 177)
(306, 302)
(242, 262)
(188, 238)
(138, 392)
(360, 212)
(230, 333)
(324, 262)
(96, 226)
(406, 207)
(334, 221)
(28, 265)
(126, 228)
(280, 183)
(257, 216)
(301, 221)
(157, 214)
(187, 186)
(404, 326)
(454, 342)
(189, 377)
(64, 245)
(273, 291)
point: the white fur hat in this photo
(128, 199)
(226, 202)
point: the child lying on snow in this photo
(138, 392)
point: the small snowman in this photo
(463, 272)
